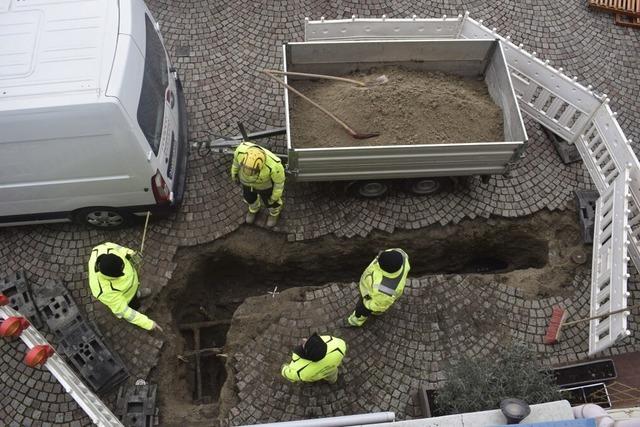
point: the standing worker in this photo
(381, 284)
(262, 177)
(113, 280)
(317, 358)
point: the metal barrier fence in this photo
(572, 111)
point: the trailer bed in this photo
(464, 58)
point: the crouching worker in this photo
(317, 358)
(381, 284)
(262, 177)
(113, 280)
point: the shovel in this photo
(346, 127)
(380, 80)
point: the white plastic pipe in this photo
(603, 419)
(628, 423)
(347, 420)
(590, 410)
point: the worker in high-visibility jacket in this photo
(381, 284)
(113, 280)
(262, 177)
(317, 358)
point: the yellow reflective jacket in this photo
(304, 370)
(380, 289)
(272, 175)
(117, 292)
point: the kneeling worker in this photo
(262, 177)
(381, 284)
(317, 358)
(113, 280)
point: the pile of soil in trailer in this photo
(413, 107)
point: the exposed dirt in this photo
(215, 281)
(413, 107)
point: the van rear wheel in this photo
(104, 218)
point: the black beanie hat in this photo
(314, 348)
(111, 265)
(390, 261)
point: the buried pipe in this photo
(347, 420)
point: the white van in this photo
(92, 116)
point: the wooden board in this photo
(625, 7)
(627, 21)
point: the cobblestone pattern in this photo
(438, 319)
(225, 44)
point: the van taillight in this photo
(170, 97)
(161, 191)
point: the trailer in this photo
(422, 169)
(370, 170)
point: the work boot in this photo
(356, 321)
(144, 292)
(250, 218)
(272, 220)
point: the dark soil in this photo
(215, 281)
(413, 107)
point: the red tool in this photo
(558, 315)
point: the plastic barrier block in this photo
(92, 359)
(136, 405)
(16, 288)
(56, 307)
(568, 152)
(586, 205)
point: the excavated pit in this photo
(211, 281)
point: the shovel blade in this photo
(365, 135)
(380, 80)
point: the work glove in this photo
(234, 179)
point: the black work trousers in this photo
(135, 302)
(361, 310)
(250, 195)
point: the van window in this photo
(154, 85)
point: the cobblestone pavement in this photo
(226, 43)
(437, 319)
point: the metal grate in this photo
(626, 21)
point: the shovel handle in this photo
(587, 319)
(352, 132)
(317, 76)
(144, 232)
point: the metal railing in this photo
(572, 111)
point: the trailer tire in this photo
(427, 186)
(103, 218)
(368, 189)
